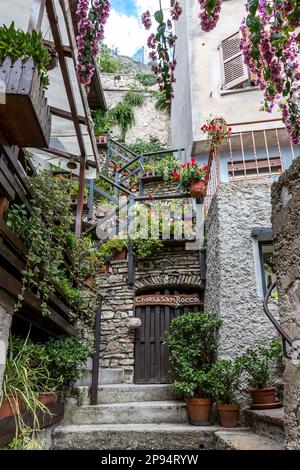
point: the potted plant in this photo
(226, 376)
(217, 131)
(25, 116)
(192, 178)
(192, 344)
(102, 126)
(257, 364)
(166, 167)
(149, 170)
(115, 248)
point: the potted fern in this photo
(192, 344)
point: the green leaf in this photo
(159, 16)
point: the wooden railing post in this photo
(96, 355)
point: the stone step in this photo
(126, 393)
(245, 440)
(134, 436)
(125, 413)
(106, 376)
(267, 422)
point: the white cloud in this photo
(127, 32)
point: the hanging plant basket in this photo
(25, 116)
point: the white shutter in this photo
(234, 71)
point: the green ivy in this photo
(146, 79)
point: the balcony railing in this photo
(250, 155)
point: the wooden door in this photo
(152, 363)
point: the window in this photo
(268, 276)
(253, 169)
(235, 73)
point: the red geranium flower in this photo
(150, 197)
(193, 161)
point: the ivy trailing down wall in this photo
(121, 115)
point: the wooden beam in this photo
(53, 20)
(66, 115)
(66, 155)
(80, 196)
(65, 6)
(4, 203)
(36, 15)
(67, 49)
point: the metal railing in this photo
(250, 155)
(286, 339)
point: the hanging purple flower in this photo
(146, 19)
(92, 16)
(176, 11)
(209, 14)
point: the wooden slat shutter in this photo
(234, 71)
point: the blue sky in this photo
(124, 29)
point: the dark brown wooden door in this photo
(152, 363)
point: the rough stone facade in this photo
(117, 340)
(150, 123)
(286, 233)
(231, 285)
(6, 311)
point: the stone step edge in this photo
(265, 416)
(137, 404)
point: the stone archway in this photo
(180, 281)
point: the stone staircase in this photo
(148, 417)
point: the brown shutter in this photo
(234, 71)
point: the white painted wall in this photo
(201, 74)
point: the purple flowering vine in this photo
(209, 13)
(271, 50)
(161, 44)
(92, 16)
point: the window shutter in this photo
(235, 72)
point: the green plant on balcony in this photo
(17, 44)
(111, 248)
(145, 247)
(103, 123)
(166, 166)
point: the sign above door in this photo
(178, 300)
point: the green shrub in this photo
(192, 344)
(257, 363)
(134, 98)
(144, 248)
(146, 79)
(226, 379)
(108, 61)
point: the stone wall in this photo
(117, 340)
(286, 233)
(231, 284)
(6, 311)
(150, 123)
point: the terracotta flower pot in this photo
(228, 415)
(121, 255)
(199, 410)
(89, 281)
(48, 398)
(198, 189)
(263, 396)
(10, 406)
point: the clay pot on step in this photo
(121, 255)
(263, 396)
(48, 398)
(199, 410)
(198, 189)
(228, 415)
(10, 406)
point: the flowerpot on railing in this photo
(48, 398)
(25, 116)
(54, 56)
(198, 189)
(120, 255)
(102, 140)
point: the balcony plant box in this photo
(101, 140)
(25, 116)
